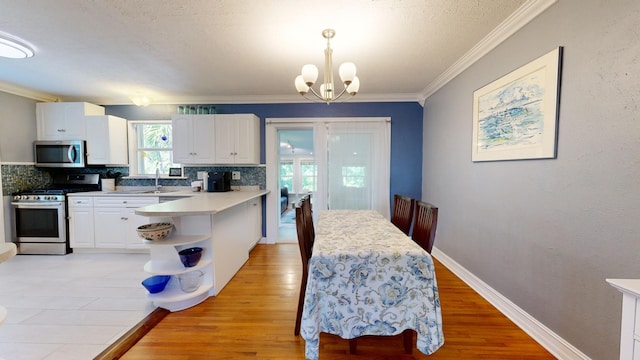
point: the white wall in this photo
(546, 233)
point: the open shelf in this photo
(159, 267)
(176, 240)
(173, 298)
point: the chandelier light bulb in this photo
(310, 74)
(347, 72)
(354, 86)
(301, 86)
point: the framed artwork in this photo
(516, 116)
(175, 172)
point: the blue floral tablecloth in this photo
(366, 277)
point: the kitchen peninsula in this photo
(220, 223)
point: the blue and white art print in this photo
(515, 117)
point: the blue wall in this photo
(406, 129)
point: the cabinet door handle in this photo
(124, 218)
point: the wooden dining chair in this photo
(402, 214)
(307, 213)
(305, 254)
(306, 236)
(424, 225)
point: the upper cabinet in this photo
(237, 139)
(64, 121)
(216, 139)
(106, 140)
(193, 139)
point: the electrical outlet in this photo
(201, 175)
(235, 175)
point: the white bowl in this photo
(155, 231)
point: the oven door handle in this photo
(36, 206)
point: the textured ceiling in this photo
(205, 51)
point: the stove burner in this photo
(62, 184)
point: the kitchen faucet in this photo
(157, 176)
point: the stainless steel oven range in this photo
(39, 216)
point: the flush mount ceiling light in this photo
(12, 47)
(305, 81)
(140, 100)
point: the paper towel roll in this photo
(108, 184)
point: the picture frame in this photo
(516, 117)
(175, 172)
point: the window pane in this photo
(286, 174)
(353, 176)
(149, 160)
(155, 136)
(309, 172)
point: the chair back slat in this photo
(402, 214)
(307, 214)
(424, 226)
(303, 241)
(306, 234)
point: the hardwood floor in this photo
(253, 318)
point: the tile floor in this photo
(69, 307)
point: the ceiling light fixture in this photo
(12, 47)
(141, 100)
(327, 92)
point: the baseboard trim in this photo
(556, 345)
(131, 337)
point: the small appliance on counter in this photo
(219, 181)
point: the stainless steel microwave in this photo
(63, 153)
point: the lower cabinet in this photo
(81, 222)
(115, 221)
(106, 222)
(255, 221)
(630, 323)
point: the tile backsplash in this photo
(26, 177)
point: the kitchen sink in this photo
(161, 191)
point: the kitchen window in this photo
(150, 147)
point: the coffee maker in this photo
(219, 181)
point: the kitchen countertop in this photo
(200, 203)
(141, 191)
(7, 251)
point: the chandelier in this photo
(327, 93)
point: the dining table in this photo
(366, 277)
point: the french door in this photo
(352, 157)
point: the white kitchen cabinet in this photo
(64, 121)
(81, 224)
(106, 140)
(116, 221)
(255, 221)
(237, 139)
(193, 139)
(630, 324)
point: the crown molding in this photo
(253, 99)
(27, 93)
(525, 13)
